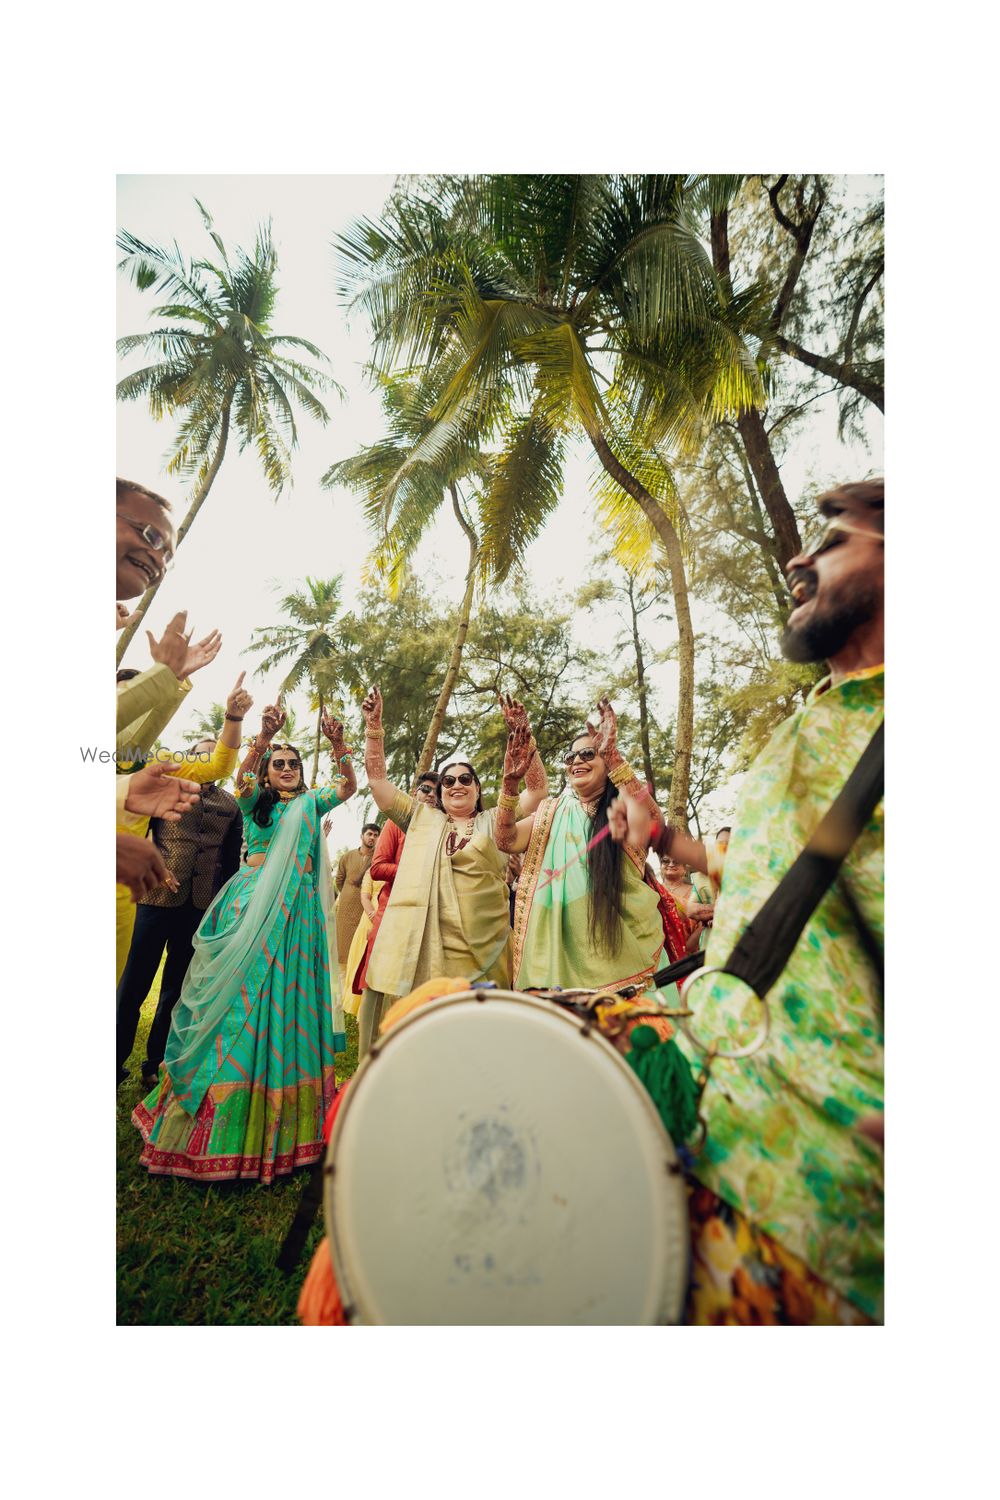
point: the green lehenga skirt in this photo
(251, 1100)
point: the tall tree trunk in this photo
(769, 486)
(661, 524)
(319, 737)
(126, 636)
(642, 690)
(751, 424)
(770, 564)
(455, 660)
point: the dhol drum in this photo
(496, 1161)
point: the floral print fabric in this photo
(783, 1145)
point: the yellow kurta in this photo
(145, 706)
(216, 768)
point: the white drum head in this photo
(492, 1163)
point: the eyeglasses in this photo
(463, 777)
(585, 755)
(152, 537)
(833, 534)
(280, 764)
(427, 789)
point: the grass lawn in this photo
(194, 1254)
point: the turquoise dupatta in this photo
(234, 947)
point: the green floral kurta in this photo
(784, 1148)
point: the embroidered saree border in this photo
(531, 868)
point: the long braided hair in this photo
(605, 873)
(269, 795)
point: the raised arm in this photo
(513, 834)
(343, 766)
(272, 719)
(223, 757)
(378, 784)
(637, 820)
(536, 782)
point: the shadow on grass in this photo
(191, 1254)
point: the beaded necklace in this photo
(453, 843)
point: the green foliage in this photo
(219, 359)
(513, 297)
(529, 650)
(307, 646)
(516, 645)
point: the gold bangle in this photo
(621, 774)
(509, 804)
(374, 734)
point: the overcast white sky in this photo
(246, 549)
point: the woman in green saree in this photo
(585, 916)
(448, 916)
(248, 1072)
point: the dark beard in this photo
(826, 635)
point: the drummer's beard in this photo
(826, 631)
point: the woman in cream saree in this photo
(448, 914)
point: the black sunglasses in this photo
(585, 755)
(290, 765)
(463, 776)
(427, 787)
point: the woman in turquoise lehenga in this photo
(248, 1073)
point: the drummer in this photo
(787, 1211)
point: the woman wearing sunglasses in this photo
(582, 923)
(448, 915)
(248, 1072)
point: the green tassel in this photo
(666, 1073)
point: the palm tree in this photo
(403, 489)
(307, 645)
(547, 307)
(208, 726)
(219, 365)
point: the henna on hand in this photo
(505, 829)
(535, 778)
(519, 752)
(375, 760)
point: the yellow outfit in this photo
(219, 765)
(146, 704)
(352, 997)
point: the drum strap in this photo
(768, 941)
(312, 1197)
